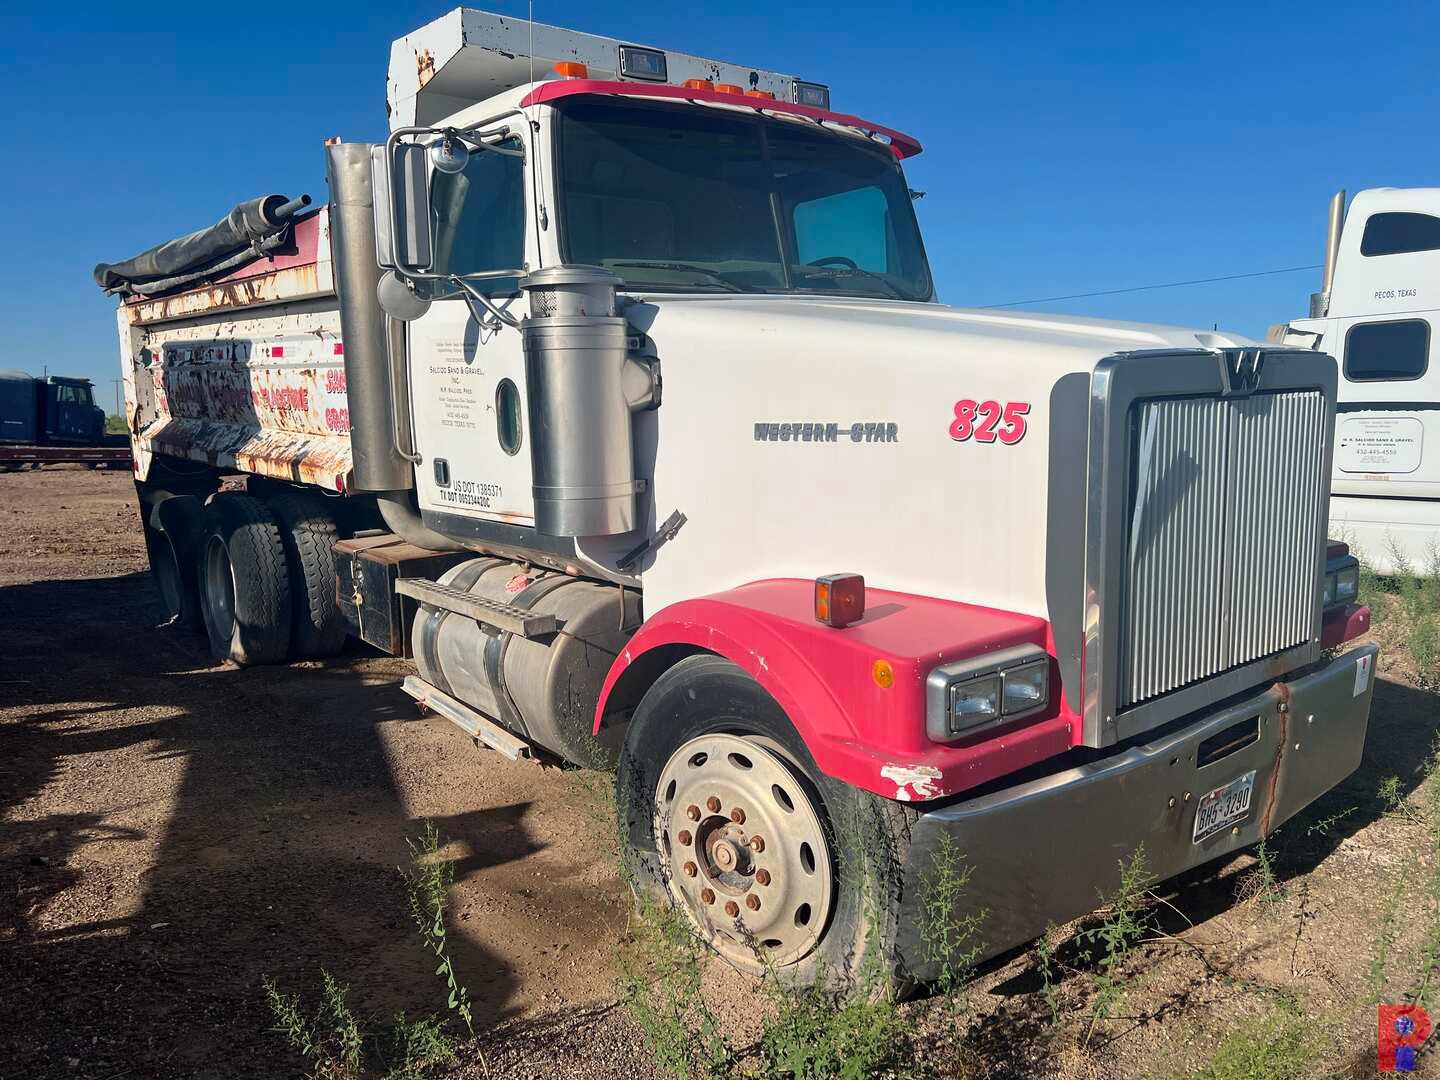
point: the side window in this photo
(479, 217)
(1400, 234)
(1387, 350)
(850, 225)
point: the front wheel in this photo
(777, 865)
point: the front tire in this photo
(244, 582)
(727, 817)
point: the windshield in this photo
(706, 200)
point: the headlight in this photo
(968, 695)
(973, 702)
(1342, 581)
(1026, 687)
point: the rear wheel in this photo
(727, 817)
(244, 583)
(309, 532)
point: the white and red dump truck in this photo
(863, 576)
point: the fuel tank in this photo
(545, 688)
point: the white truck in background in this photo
(613, 388)
(1376, 313)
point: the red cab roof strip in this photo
(902, 145)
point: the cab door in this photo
(71, 412)
(1387, 439)
(468, 382)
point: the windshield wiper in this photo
(824, 272)
(713, 275)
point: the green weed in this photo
(1279, 1044)
(1045, 955)
(331, 1040)
(412, 1047)
(429, 882)
(334, 1040)
(816, 1034)
(952, 945)
(660, 974)
(1124, 924)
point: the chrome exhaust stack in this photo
(1320, 301)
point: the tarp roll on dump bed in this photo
(249, 231)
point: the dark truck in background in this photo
(54, 419)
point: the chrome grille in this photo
(1223, 537)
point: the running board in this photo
(466, 719)
(515, 620)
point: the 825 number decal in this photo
(988, 421)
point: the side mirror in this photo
(402, 209)
(398, 299)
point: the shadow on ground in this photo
(264, 811)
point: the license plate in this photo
(1224, 806)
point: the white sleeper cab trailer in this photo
(598, 387)
(1376, 313)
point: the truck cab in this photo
(71, 415)
(49, 411)
(1376, 314)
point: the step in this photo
(515, 620)
(474, 724)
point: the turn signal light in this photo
(698, 84)
(839, 599)
(571, 70)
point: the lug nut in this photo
(714, 804)
(737, 816)
(707, 895)
(691, 869)
(752, 902)
(757, 844)
(731, 908)
(684, 837)
(693, 813)
(762, 876)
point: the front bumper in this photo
(1049, 850)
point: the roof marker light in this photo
(728, 88)
(570, 70)
(766, 94)
(698, 84)
(638, 63)
(811, 94)
(839, 599)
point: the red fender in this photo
(859, 731)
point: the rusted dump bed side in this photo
(246, 372)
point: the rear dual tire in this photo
(244, 584)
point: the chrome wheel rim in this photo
(743, 850)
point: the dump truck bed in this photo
(246, 371)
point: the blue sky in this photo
(1069, 148)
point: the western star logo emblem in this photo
(1240, 371)
(862, 431)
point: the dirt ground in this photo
(171, 831)
(174, 830)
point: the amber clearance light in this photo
(839, 599)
